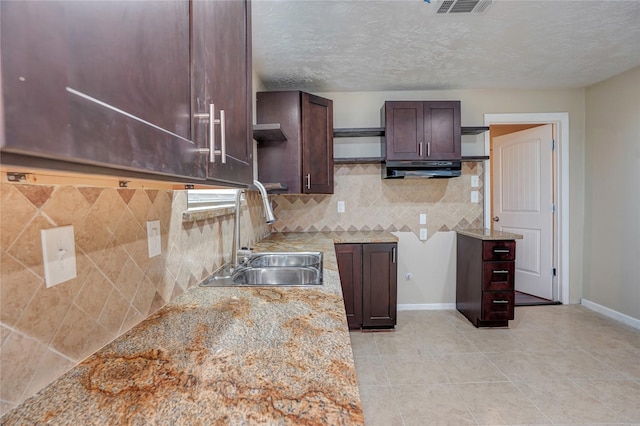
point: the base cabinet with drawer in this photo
(368, 273)
(485, 280)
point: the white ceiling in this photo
(367, 45)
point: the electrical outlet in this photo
(58, 255)
(474, 196)
(423, 218)
(475, 181)
(153, 238)
(341, 207)
(423, 234)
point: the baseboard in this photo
(618, 316)
(426, 307)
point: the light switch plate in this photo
(58, 255)
(341, 207)
(474, 196)
(423, 218)
(423, 234)
(475, 181)
(153, 238)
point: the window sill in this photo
(204, 214)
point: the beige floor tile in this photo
(579, 365)
(469, 368)
(522, 366)
(370, 371)
(553, 364)
(363, 344)
(379, 406)
(622, 396)
(413, 370)
(566, 402)
(449, 343)
(626, 361)
(500, 404)
(436, 404)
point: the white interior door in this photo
(523, 204)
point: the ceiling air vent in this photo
(464, 6)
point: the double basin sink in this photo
(271, 269)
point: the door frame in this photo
(560, 120)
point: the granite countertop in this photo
(223, 355)
(488, 234)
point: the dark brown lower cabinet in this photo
(485, 280)
(368, 273)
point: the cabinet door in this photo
(317, 144)
(222, 77)
(404, 132)
(442, 130)
(103, 82)
(379, 285)
(350, 268)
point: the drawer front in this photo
(499, 250)
(498, 275)
(497, 305)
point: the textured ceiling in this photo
(366, 45)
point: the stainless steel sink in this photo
(286, 259)
(271, 269)
(278, 276)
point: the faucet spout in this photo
(268, 211)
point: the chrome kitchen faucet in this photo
(268, 212)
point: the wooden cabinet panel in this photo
(404, 130)
(222, 77)
(368, 273)
(349, 258)
(100, 83)
(442, 130)
(317, 146)
(422, 130)
(485, 288)
(304, 162)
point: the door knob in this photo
(496, 219)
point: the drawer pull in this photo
(501, 271)
(501, 250)
(501, 302)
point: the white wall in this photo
(612, 194)
(362, 109)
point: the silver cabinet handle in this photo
(210, 117)
(429, 149)
(501, 250)
(308, 180)
(420, 149)
(393, 255)
(501, 272)
(501, 302)
(223, 138)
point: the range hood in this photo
(421, 169)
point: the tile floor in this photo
(553, 365)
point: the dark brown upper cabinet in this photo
(118, 86)
(304, 162)
(422, 130)
(222, 87)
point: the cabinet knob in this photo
(496, 219)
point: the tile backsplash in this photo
(373, 203)
(46, 331)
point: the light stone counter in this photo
(223, 355)
(488, 234)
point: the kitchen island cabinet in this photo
(276, 355)
(485, 269)
(422, 130)
(368, 273)
(304, 162)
